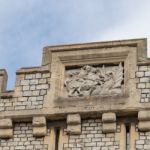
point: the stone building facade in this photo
(92, 96)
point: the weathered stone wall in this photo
(143, 75)
(23, 139)
(92, 138)
(144, 141)
(33, 87)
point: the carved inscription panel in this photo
(94, 80)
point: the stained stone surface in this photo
(89, 80)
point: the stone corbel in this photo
(6, 130)
(74, 124)
(144, 120)
(109, 122)
(39, 126)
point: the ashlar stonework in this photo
(92, 96)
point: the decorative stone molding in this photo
(109, 122)
(39, 126)
(6, 130)
(3, 80)
(144, 120)
(73, 124)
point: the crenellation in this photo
(29, 97)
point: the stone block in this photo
(144, 115)
(139, 74)
(39, 121)
(109, 127)
(39, 131)
(144, 79)
(108, 117)
(73, 119)
(147, 73)
(6, 133)
(144, 126)
(143, 68)
(74, 129)
(5, 123)
(147, 85)
(141, 85)
(24, 82)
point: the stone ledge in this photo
(141, 45)
(28, 70)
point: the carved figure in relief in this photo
(91, 80)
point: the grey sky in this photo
(26, 26)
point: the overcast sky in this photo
(26, 26)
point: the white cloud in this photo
(135, 26)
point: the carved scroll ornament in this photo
(90, 80)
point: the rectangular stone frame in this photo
(130, 52)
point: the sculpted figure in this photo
(94, 81)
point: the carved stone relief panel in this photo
(94, 80)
